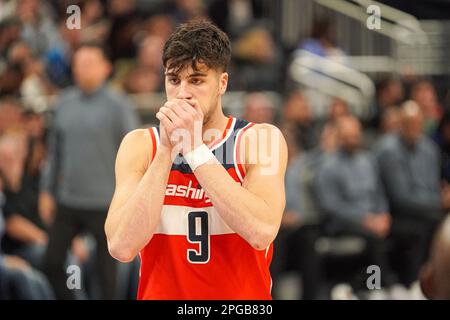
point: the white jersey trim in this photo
(230, 131)
(238, 172)
(174, 221)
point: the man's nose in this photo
(183, 91)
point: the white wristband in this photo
(198, 156)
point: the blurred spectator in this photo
(323, 41)
(18, 280)
(10, 81)
(391, 120)
(38, 28)
(125, 24)
(57, 58)
(185, 10)
(35, 83)
(350, 193)
(95, 25)
(389, 94)
(10, 114)
(258, 62)
(298, 122)
(338, 109)
(25, 233)
(235, 15)
(424, 94)
(10, 29)
(146, 73)
(295, 244)
(435, 275)
(258, 108)
(88, 126)
(159, 26)
(409, 166)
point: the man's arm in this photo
(22, 229)
(253, 210)
(136, 206)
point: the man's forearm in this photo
(244, 212)
(132, 225)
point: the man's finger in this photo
(182, 109)
(166, 122)
(168, 112)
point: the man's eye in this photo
(173, 81)
(196, 81)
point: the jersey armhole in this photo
(155, 140)
(239, 166)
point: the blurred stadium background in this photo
(300, 64)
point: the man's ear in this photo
(223, 83)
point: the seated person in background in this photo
(351, 195)
(18, 280)
(410, 170)
(300, 226)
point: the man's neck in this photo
(217, 121)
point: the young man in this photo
(203, 228)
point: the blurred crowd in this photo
(359, 191)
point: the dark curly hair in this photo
(197, 41)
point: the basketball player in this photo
(201, 211)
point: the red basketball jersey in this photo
(194, 254)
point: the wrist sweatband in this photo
(198, 156)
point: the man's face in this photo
(412, 128)
(350, 135)
(90, 68)
(204, 85)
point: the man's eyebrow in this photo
(195, 74)
(198, 74)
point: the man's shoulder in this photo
(67, 94)
(429, 144)
(117, 99)
(389, 143)
(138, 137)
(261, 129)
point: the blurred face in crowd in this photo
(329, 139)
(391, 93)
(338, 108)
(297, 109)
(10, 115)
(90, 68)
(206, 85)
(27, 9)
(150, 51)
(391, 120)
(425, 95)
(349, 133)
(258, 108)
(412, 122)
(34, 124)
